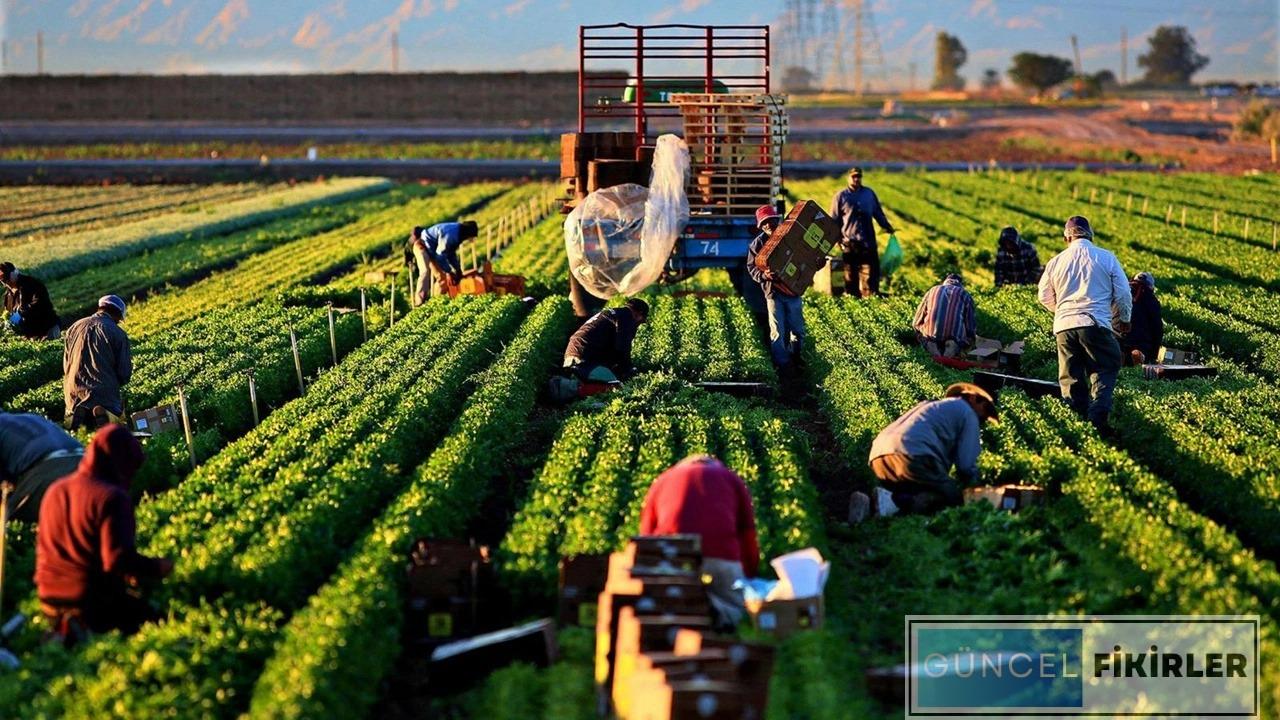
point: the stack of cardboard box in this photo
(799, 247)
(590, 161)
(654, 656)
(451, 592)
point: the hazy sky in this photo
(260, 36)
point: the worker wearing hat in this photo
(913, 456)
(27, 305)
(1146, 326)
(785, 309)
(858, 210)
(1017, 262)
(96, 364)
(1088, 293)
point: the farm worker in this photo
(786, 316)
(27, 305)
(855, 207)
(1017, 262)
(96, 363)
(1146, 327)
(600, 350)
(435, 249)
(87, 562)
(700, 496)
(1083, 286)
(913, 456)
(33, 453)
(945, 321)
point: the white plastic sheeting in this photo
(619, 238)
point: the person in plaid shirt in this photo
(1017, 262)
(945, 322)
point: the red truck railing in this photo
(656, 59)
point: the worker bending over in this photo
(435, 249)
(27, 305)
(945, 320)
(855, 208)
(700, 496)
(786, 312)
(33, 454)
(913, 456)
(1146, 328)
(600, 351)
(1083, 286)
(87, 564)
(96, 364)
(1017, 262)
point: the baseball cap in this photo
(112, 301)
(963, 388)
(764, 212)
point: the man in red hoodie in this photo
(700, 496)
(87, 564)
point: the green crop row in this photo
(60, 256)
(110, 209)
(334, 652)
(539, 256)
(712, 338)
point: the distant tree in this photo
(1038, 72)
(990, 79)
(1104, 79)
(797, 80)
(949, 56)
(1172, 58)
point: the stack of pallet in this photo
(735, 147)
(655, 659)
(594, 160)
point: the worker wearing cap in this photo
(700, 496)
(33, 453)
(913, 456)
(1146, 327)
(435, 250)
(1084, 286)
(27, 305)
(96, 364)
(856, 208)
(1017, 262)
(600, 350)
(945, 321)
(786, 314)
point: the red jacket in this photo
(86, 540)
(703, 497)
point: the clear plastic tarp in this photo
(619, 238)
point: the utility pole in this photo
(39, 52)
(1124, 56)
(395, 51)
(859, 45)
(4, 56)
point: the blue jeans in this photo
(1088, 354)
(786, 326)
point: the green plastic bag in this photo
(891, 258)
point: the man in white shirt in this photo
(1084, 287)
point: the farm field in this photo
(291, 534)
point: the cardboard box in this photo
(784, 618)
(997, 354)
(1006, 497)
(451, 586)
(798, 249)
(752, 662)
(582, 577)
(1170, 356)
(156, 421)
(700, 699)
(1177, 372)
(603, 173)
(637, 634)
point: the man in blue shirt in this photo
(33, 453)
(435, 249)
(912, 457)
(856, 207)
(786, 316)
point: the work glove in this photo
(15, 319)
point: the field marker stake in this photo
(1215, 223)
(297, 359)
(1109, 198)
(364, 321)
(253, 397)
(1168, 215)
(1075, 192)
(1144, 207)
(333, 337)
(1128, 203)
(1246, 228)
(186, 424)
(1093, 195)
(393, 302)
(1273, 236)
(1184, 217)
